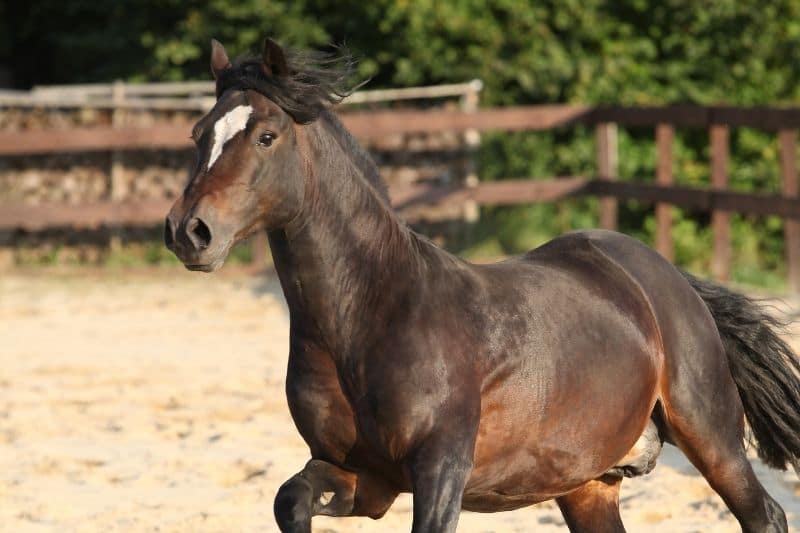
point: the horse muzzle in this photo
(195, 239)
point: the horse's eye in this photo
(265, 139)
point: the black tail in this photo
(765, 369)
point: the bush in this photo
(736, 52)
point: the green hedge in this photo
(737, 52)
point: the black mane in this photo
(315, 81)
(358, 155)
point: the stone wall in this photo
(159, 174)
(86, 177)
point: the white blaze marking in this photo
(226, 127)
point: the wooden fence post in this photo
(117, 190)
(720, 220)
(789, 187)
(606, 143)
(665, 133)
(472, 140)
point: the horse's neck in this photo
(344, 260)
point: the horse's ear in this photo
(274, 59)
(219, 59)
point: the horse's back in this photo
(687, 330)
(671, 300)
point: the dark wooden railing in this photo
(663, 193)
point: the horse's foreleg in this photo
(439, 471)
(594, 507)
(325, 489)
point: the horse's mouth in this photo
(209, 262)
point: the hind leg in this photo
(594, 507)
(704, 417)
(727, 470)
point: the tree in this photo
(739, 52)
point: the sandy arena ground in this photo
(154, 402)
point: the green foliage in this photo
(737, 52)
(588, 51)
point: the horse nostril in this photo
(199, 233)
(169, 234)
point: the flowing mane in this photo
(358, 155)
(315, 82)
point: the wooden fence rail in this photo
(375, 124)
(663, 193)
(194, 95)
(505, 192)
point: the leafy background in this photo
(737, 52)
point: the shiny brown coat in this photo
(483, 387)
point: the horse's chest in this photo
(320, 410)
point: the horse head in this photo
(251, 159)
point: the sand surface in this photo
(154, 402)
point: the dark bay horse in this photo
(482, 387)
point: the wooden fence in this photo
(370, 124)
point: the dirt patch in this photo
(133, 402)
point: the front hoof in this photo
(293, 506)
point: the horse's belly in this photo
(544, 432)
